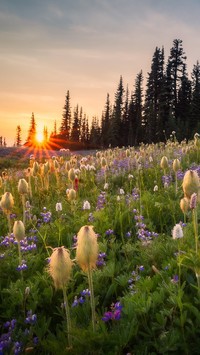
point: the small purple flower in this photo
(175, 279)
(109, 232)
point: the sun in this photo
(39, 137)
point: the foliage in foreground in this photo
(146, 281)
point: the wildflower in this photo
(58, 206)
(177, 232)
(121, 191)
(87, 248)
(175, 279)
(86, 205)
(23, 187)
(155, 189)
(7, 202)
(164, 163)
(60, 266)
(193, 201)
(30, 318)
(190, 183)
(71, 174)
(71, 194)
(176, 165)
(19, 230)
(184, 204)
(106, 186)
(103, 162)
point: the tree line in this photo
(171, 102)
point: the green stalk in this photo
(91, 297)
(24, 208)
(20, 258)
(67, 312)
(195, 224)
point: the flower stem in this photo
(67, 312)
(91, 297)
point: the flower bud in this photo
(184, 204)
(176, 165)
(193, 201)
(71, 194)
(71, 174)
(35, 168)
(7, 202)
(23, 187)
(190, 183)
(103, 162)
(60, 267)
(164, 163)
(87, 248)
(19, 230)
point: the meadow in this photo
(99, 254)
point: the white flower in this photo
(121, 191)
(155, 188)
(118, 198)
(150, 159)
(86, 205)
(177, 232)
(58, 206)
(130, 176)
(106, 186)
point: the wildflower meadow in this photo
(100, 254)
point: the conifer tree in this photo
(18, 136)
(116, 119)
(32, 131)
(194, 124)
(66, 121)
(75, 131)
(105, 125)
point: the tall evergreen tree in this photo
(32, 131)
(116, 120)
(175, 66)
(153, 99)
(183, 107)
(105, 125)
(66, 121)
(18, 136)
(194, 124)
(138, 97)
(75, 131)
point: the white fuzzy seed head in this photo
(23, 187)
(7, 202)
(60, 267)
(87, 248)
(19, 230)
(190, 183)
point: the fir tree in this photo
(66, 121)
(32, 131)
(18, 136)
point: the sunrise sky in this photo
(49, 47)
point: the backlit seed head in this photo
(176, 165)
(190, 183)
(71, 194)
(193, 201)
(103, 162)
(19, 230)
(7, 202)
(71, 174)
(164, 162)
(23, 187)
(60, 267)
(87, 248)
(184, 204)
(35, 168)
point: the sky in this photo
(49, 47)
